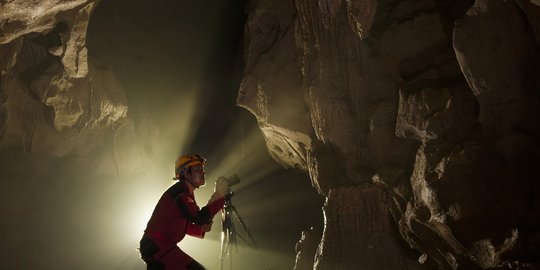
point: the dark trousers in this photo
(161, 256)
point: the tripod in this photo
(229, 234)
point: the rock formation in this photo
(60, 114)
(418, 120)
(50, 92)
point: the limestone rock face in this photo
(50, 92)
(360, 213)
(47, 81)
(428, 109)
(270, 88)
(20, 18)
(63, 121)
(501, 78)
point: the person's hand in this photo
(207, 227)
(221, 187)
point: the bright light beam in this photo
(254, 161)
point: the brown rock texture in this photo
(361, 214)
(414, 118)
(50, 92)
(63, 118)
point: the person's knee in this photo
(194, 265)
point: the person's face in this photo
(197, 176)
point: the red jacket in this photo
(177, 214)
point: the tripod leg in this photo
(224, 248)
(225, 236)
(250, 237)
(228, 239)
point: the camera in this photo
(232, 180)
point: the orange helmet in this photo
(184, 162)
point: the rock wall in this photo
(418, 120)
(55, 103)
(62, 117)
